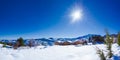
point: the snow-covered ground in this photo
(87, 52)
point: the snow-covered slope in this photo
(87, 52)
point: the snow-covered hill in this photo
(51, 41)
(87, 52)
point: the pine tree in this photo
(118, 42)
(20, 41)
(112, 39)
(101, 54)
(109, 42)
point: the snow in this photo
(71, 52)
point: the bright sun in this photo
(76, 15)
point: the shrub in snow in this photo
(101, 54)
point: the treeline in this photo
(19, 43)
(94, 40)
(83, 42)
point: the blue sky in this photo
(50, 18)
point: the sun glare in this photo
(76, 15)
